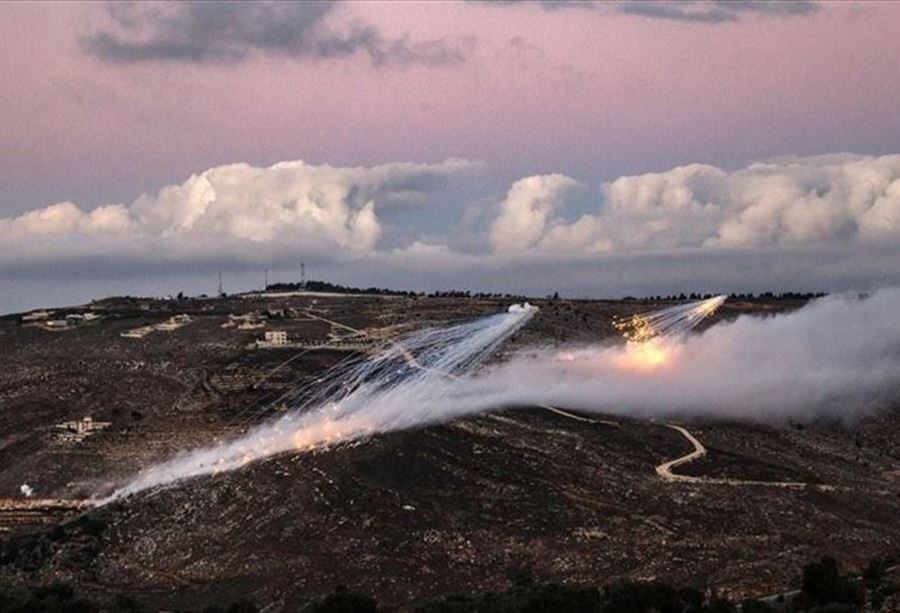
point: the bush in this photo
(823, 584)
(522, 597)
(562, 598)
(873, 575)
(240, 606)
(756, 606)
(631, 597)
(343, 600)
(53, 598)
(91, 526)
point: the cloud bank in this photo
(238, 211)
(787, 202)
(812, 223)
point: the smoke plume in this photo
(838, 359)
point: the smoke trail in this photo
(404, 385)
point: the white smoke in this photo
(837, 358)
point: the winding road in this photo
(665, 473)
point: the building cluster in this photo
(247, 321)
(273, 338)
(338, 339)
(49, 320)
(173, 323)
(77, 431)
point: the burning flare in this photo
(651, 337)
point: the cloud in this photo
(526, 209)
(226, 32)
(785, 202)
(234, 210)
(692, 11)
(699, 11)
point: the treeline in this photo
(823, 588)
(334, 288)
(453, 293)
(733, 296)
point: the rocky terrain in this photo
(566, 497)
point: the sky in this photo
(591, 149)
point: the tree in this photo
(343, 600)
(824, 584)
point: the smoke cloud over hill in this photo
(837, 359)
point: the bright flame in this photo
(644, 356)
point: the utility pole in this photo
(302, 274)
(266, 285)
(220, 283)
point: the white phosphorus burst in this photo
(396, 388)
(668, 322)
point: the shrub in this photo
(343, 600)
(823, 584)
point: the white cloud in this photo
(290, 205)
(786, 202)
(65, 217)
(526, 210)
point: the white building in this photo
(173, 323)
(138, 332)
(276, 337)
(36, 316)
(77, 431)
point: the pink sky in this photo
(589, 93)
